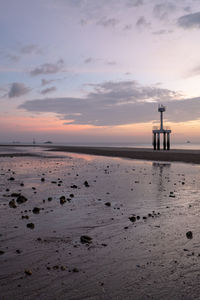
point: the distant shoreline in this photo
(175, 155)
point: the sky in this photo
(90, 71)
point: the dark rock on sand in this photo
(132, 219)
(86, 184)
(42, 179)
(74, 186)
(108, 204)
(28, 272)
(11, 178)
(15, 194)
(36, 210)
(189, 234)
(85, 239)
(30, 225)
(21, 199)
(12, 204)
(62, 199)
(1, 252)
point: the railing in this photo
(164, 128)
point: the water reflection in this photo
(162, 172)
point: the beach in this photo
(96, 224)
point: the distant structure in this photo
(157, 132)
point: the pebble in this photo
(30, 225)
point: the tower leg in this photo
(154, 141)
(158, 141)
(164, 140)
(168, 141)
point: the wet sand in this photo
(189, 156)
(179, 155)
(137, 214)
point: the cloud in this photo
(46, 82)
(88, 60)
(141, 22)
(13, 57)
(17, 89)
(189, 21)
(31, 48)
(162, 31)
(162, 11)
(48, 68)
(48, 90)
(135, 3)
(116, 103)
(108, 22)
(128, 27)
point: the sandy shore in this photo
(175, 155)
(134, 214)
(189, 156)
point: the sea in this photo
(186, 145)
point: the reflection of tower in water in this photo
(161, 177)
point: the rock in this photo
(11, 178)
(1, 252)
(85, 239)
(74, 186)
(86, 184)
(75, 270)
(63, 268)
(189, 235)
(62, 200)
(50, 199)
(132, 219)
(15, 194)
(21, 199)
(36, 210)
(30, 225)
(138, 217)
(18, 251)
(28, 272)
(108, 204)
(12, 204)
(42, 179)
(71, 195)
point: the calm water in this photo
(195, 146)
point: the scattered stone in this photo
(74, 186)
(30, 225)
(108, 204)
(18, 251)
(12, 204)
(189, 235)
(138, 217)
(21, 199)
(132, 219)
(62, 200)
(85, 239)
(50, 199)
(11, 178)
(28, 272)
(42, 179)
(86, 184)
(75, 270)
(36, 210)
(1, 252)
(144, 218)
(63, 268)
(15, 194)
(71, 195)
